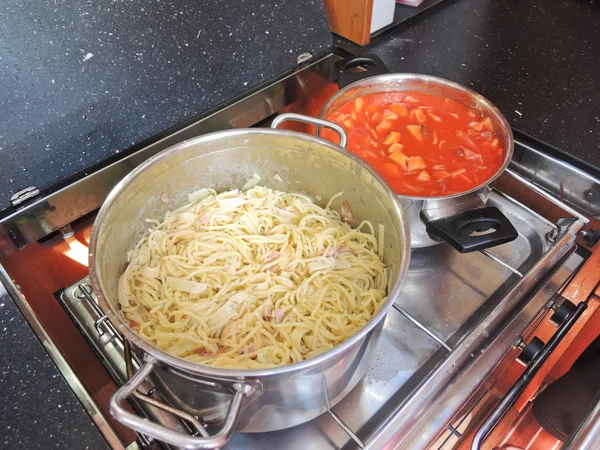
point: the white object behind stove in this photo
(383, 14)
(410, 2)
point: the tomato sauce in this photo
(422, 144)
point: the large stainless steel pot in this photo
(246, 400)
(460, 219)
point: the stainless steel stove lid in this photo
(39, 214)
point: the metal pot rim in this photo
(236, 374)
(499, 117)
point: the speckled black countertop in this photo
(83, 80)
(38, 409)
(538, 61)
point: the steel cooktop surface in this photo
(440, 325)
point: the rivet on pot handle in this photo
(371, 63)
(457, 229)
(168, 435)
(312, 121)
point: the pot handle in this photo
(372, 64)
(462, 230)
(167, 435)
(312, 121)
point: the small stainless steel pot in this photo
(460, 219)
(246, 400)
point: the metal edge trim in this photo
(549, 171)
(561, 162)
(553, 153)
(61, 364)
(427, 404)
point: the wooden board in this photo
(350, 19)
(584, 283)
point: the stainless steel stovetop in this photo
(457, 315)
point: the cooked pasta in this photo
(252, 279)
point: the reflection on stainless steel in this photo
(575, 186)
(587, 435)
(86, 400)
(554, 227)
(452, 287)
(29, 223)
(523, 381)
(345, 427)
(547, 196)
(454, 427)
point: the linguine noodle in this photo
(252, 279)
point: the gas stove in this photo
(456, 316)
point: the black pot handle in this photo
(372, 64)
(457, 230)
